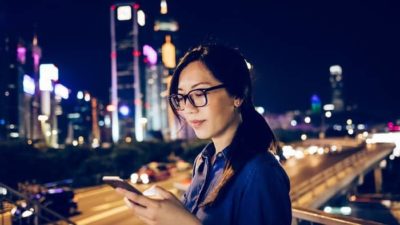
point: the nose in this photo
(189, 107)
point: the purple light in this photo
(21, 54)
(150, 53)
(29, 85)
(61, 91)
(124, 110)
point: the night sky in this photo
(291, 44)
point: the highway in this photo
(101, 205)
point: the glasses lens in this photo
(198, 98)
(177, 102)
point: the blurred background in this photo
(84, 86)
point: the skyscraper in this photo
(126, 95)
(336, 81)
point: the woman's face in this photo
(218, 116)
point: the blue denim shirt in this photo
(258, 195)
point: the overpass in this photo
(314, 180)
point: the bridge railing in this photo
(303, 216)
(351, 166)
(35, 213)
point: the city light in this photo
(110, 108)
(328, 114)
(43, 118)
(14, 134)
(335, 69)
(303, 137)
(349, 122)
(260, 109)
(79, 95)
(329, 107)
(45, 84)
(48, 72)
(141, 18)
(124, 13)
(87, 97)
(307, 119)
(124, 110)
(21, 54)
(293, 123)
(171, 26)
(249, 66)
(61, 91)
(151, 54)
(29, 85)
(163, 7)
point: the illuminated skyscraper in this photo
(336, 80)
(126, 95)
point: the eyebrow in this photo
(198, 84)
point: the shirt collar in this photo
(209, 151)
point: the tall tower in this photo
(126, 95)
(336, 80)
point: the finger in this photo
(128, 202)
(145, 213)
(139, 199)
(164, 193)
(147, 221)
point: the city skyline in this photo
(291, 46)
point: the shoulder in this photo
(265, 168)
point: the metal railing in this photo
(311, 216)
(41, 214)
(354, 165)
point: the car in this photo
(57, 199)
(151, 172)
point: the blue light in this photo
(2, 122)
(124, 110)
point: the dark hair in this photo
(254, 134)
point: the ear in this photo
(237, 102)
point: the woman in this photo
(236, 180)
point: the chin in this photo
(202, 134)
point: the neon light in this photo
(136, 53)
(61, 91)
(21, 54)
(29, 85)
(113, 55)
(150, 53)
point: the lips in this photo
(196, 123)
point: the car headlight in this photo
(134, 178)
(144, 178)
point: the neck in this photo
(225, 139)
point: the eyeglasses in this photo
(197, 97)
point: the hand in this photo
(166, 211)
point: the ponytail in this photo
(252, 137)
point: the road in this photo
(102, 205)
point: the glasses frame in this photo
(187, 96)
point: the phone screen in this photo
(117, 182)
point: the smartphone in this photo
(117, 182)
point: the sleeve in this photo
(266, 199)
